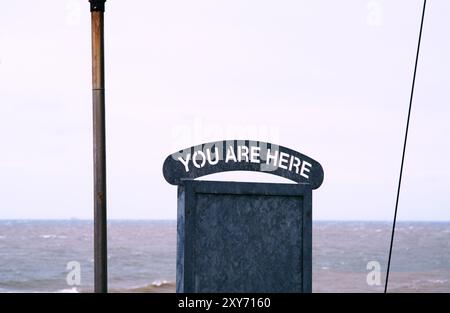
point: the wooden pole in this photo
(98, 101)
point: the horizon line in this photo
(174, 220)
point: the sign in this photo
(241, 236)
(244, 237)
(242, 155)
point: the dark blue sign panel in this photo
(243, 237)
(242, 155)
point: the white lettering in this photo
(73, 278)
(185, 162)
(305, 169)
(273, 157)
(242, 154)
(197, 303)
(254, 154)
(195, 159)
(216, 159)
(373, 278)
(283, 159)
(230, 155)
(296, 164)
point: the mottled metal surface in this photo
(98, 107)
(175, 171)
(180, 239)
(243, 237)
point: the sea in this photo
(57, 256)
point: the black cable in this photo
(404, 148)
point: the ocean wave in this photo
(53, 236)
(69, 290)
(157, 286)
(47, 236)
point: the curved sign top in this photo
(242, 155)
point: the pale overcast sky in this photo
(330, 79)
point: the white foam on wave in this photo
(47, 236)
(159, 283)
(53, 237)
(69, 290)
(438, 281)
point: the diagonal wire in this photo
(404, 148)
